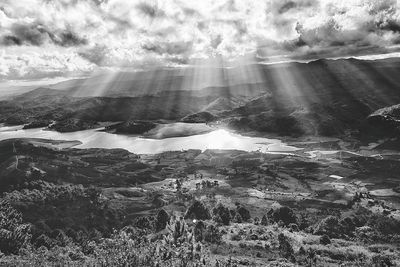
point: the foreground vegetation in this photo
(177, 209)
(220, 237)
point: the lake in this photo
(95, 138)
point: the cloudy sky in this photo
(69, 38)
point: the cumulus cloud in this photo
(332, 28)
(37, 64)
(115, 33)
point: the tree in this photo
(237, 218)
(143, 222)
(347, 226)
(197, 210)
(285, 247)
(212, 234)
(162, 220)
(329, 226)
(381, 260)
(244, 213)
(14, 234)
(264, 220)
(284, 214)
(199, 231)
(222, 214)
(43, 241)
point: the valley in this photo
(288, 170)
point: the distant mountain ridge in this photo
(323, 97)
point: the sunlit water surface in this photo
(94, 138)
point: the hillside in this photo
(103, 207)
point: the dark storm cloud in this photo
(10, 40)
(37, 34)
(389, 25)
(33, 34)
(67, 38)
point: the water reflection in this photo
(218, 139)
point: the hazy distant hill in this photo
(324, 97)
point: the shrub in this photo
(324, 240)
(197, 210)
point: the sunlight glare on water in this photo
(217, 139)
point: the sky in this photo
(46, 39)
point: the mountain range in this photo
(323, 97)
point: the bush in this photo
(198, 210)
(324, 240)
